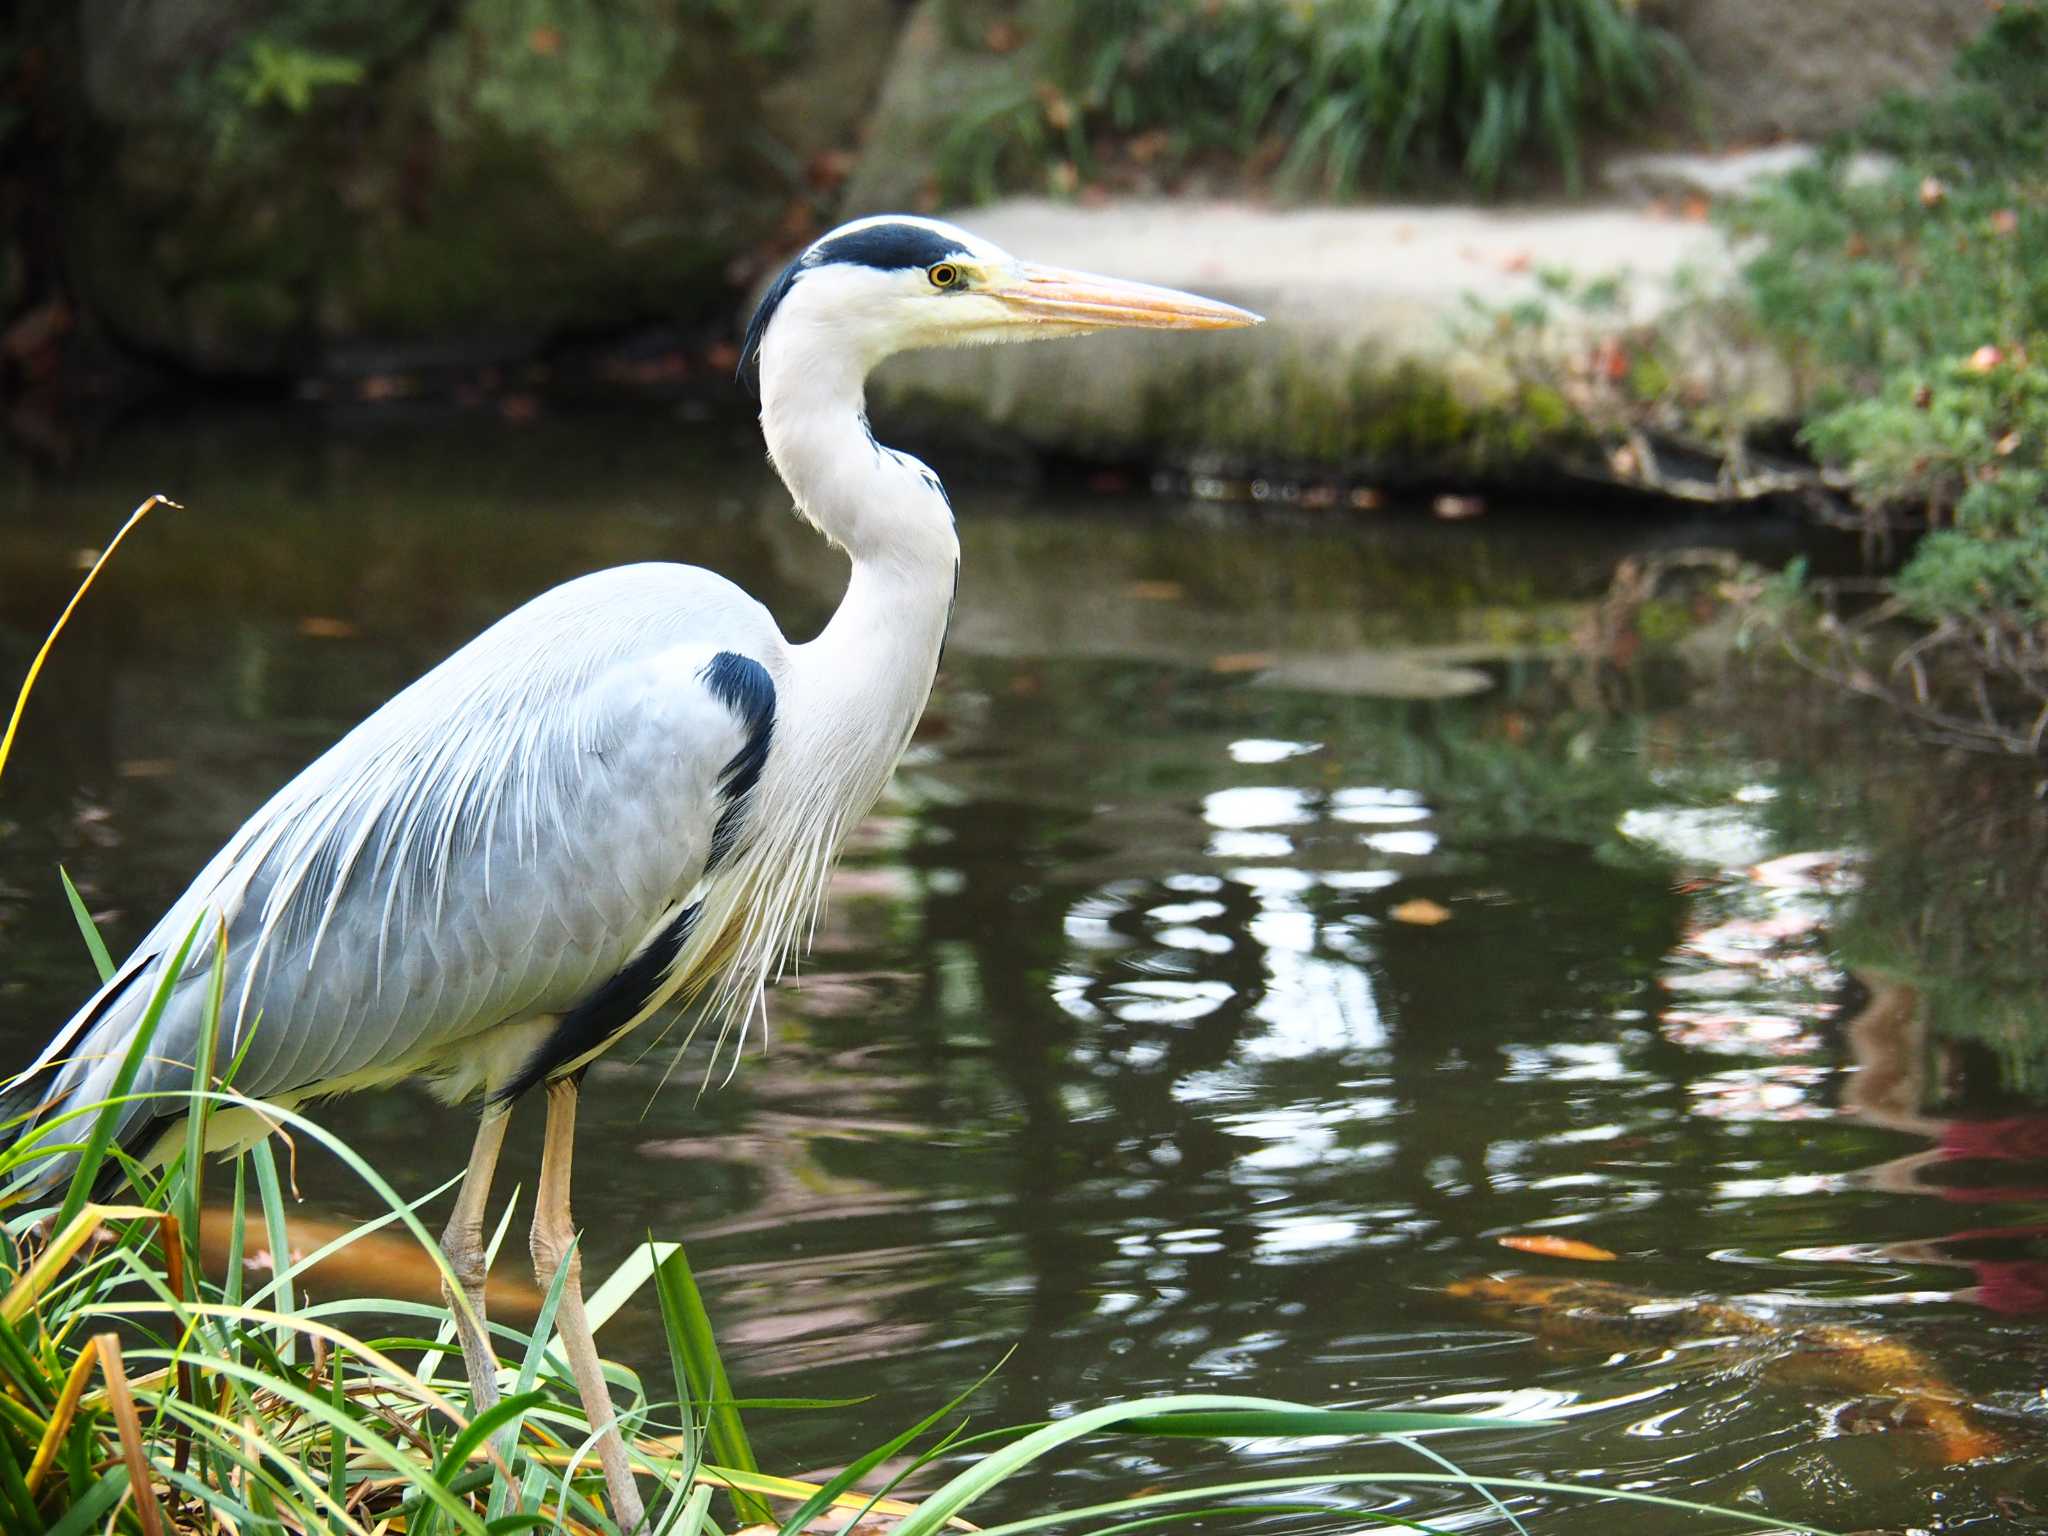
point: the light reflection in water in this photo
(1114, 1046)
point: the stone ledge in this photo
(1370, 358)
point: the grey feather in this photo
(488, 847)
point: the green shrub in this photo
(1343, 92)
(1916, 288)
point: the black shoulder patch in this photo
(743, 686)
(616, 1003)
(890, 247)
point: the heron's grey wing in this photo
(492, 844)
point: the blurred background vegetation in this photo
(375, 198)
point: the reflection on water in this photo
(1269, 918)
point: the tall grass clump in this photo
(1326, 95)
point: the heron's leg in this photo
(554, 1240)
(463, 1242)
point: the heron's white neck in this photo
(882, 507)
(864, 680)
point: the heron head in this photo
(894, 282)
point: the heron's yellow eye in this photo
(944, 275)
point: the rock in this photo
(274, 190)
(941, 72)
(1373, 356)
(1731, 175)
(1768, 70)
(1709, 176)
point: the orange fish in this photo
(1593, 1314)
(388, 1262)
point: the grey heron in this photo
(627, 793)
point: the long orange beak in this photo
(1083, 300)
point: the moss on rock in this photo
(468, 179)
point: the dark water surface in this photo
(1274, 912)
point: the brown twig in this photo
(122, 1403)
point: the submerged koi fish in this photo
(388, 1262)
(1594, 1314)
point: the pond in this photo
(1278, 908)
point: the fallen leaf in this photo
(1366, 499)
(1422, 912)
(545, 41)
(1557, 1247)
(1002, 37)
(2005, 222)
(1694, 210)
(1241, 661)
(316, 626)
(1454, 509)
(148, 767)
(1156, 591)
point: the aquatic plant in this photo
(1332, 94)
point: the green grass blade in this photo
(1008, 1460)
(481, 1428)
(700, 1374)
(1577, 1492)
(280, 1239)
(1275, 1423)
(85, 1515)
(87, 928)
(821, 1501)
(529, 1373)
(199, 1105)
(1428, 1453)
(692, 1517)
(1243, 1512)
(21, 1515)
(105, 1123)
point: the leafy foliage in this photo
(1915, 284)
(1336, 94)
